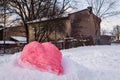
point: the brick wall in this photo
(15, 31)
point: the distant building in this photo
(77, 24)
(12, 31)
(15, 31)
(105, 40)
(12, 34)
(118, 36)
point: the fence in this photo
(74, 42)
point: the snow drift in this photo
(72, 71)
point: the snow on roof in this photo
(19, 38)
(38, 20)
(7, 42)
(45, 18)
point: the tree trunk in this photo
(27, 31)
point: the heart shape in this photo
(44, 56)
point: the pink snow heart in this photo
(44, 56)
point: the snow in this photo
(46, 19)
(7, 42)
(11, 71)
(103, 61)
(38, 20)
(19, 38)
(82, 63)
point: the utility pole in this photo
(4, 28)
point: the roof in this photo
(78, 11)
(20, 39)
(87, 9)
(62, 17)
(47, 19)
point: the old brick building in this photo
(54, 29)
(77, 24)
(82, 26)
(85, 23)
(12, 31)
(15, 31)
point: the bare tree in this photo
(3, 18)
(30, 10)
(103, 32)
(1, 13)
(8, 14)
(104, 8)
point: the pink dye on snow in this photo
(44, 56)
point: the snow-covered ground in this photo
(82, 63)
(102, 61)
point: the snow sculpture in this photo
(44, 56)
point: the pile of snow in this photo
(9, 70)
(83, 63)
